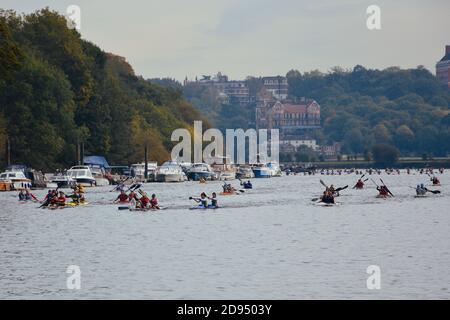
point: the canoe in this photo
(324, 204)
(145, 209)
(227, 193)
(75, 204)
(203, 207)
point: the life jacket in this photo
(123, 197)
(154, 201)
(145, 201)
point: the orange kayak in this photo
(227, 193)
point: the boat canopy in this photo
(96, 161)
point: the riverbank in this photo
(403, 163)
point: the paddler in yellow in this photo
(80, 188)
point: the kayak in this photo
(75, 204)
(420, 196)
(144, 209)
(203, 207)
(57, 207)
(324, 204)
(227, 193)
(383, 196)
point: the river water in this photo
(268, 243)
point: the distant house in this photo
(288, 117)
(331, 150)
(277, 86)
(288, 143)
(443, 68)
(230, 91)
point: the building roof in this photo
(296, 107)
(446, 57)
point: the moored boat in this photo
(138, 171)
(274, 168)
(99, 175)
(82, 175)
(170, 171)
(261, 171)
(14, 180)
(200, 172)
(245, 172)
(61, 180)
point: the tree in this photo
(404, 138)
(381, 134)
(385, 155)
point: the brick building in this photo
(443, 68)
(291, 118)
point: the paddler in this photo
(213, 199)
(248, 185)
(421, 190)
(435, 181)
(359, 184)
(122, 197)
(144, 201)
(383, 191)
(22, 195)
(327, 197)
(60, 200)
(154, 202)
(203, 200)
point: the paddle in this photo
(341, 188)
(134, 186)
(119, 184)
(323, 183)
(386, 187)
(433, 191)
(374, 182)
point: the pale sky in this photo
(178, 38)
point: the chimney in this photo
(447, 50)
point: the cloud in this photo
(255, 37)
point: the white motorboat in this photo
(245, 172)
(274, 167)
(61, 180)
(224, 168)
(199, 171)
(16, 179)
(82, 175)
(99, 175)
(138, 171)
(170, 171)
